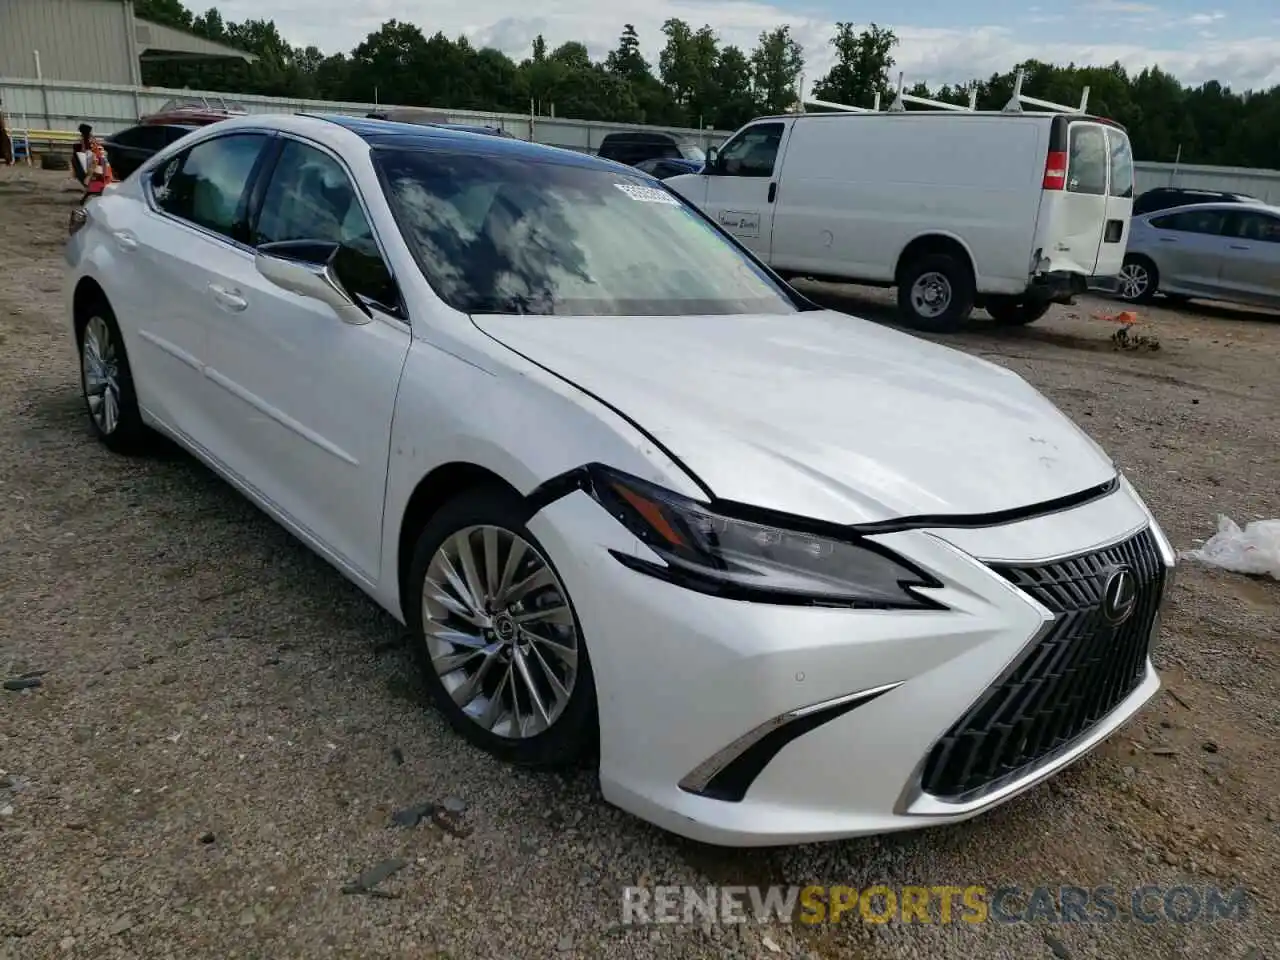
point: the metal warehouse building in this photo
(96, 41)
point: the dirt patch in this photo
(226, 727)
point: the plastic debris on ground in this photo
(1255, 550)
(1124, 338)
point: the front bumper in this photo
(688, 684)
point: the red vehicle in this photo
(196, 111)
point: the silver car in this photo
(1219, 251)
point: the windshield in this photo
(509, 235)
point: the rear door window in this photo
(1121, 165)
(1087, 163)
(1211, 222)
(206, 184)
(1261, 227)
(133, 137)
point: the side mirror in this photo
(713, 160)
(306, 267)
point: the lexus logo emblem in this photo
(1119, 595)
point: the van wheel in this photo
(1010, 312)
(1138, 280)
(935, 293)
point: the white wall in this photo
(64, 106)
(1263, 184)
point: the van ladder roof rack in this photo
(1019, 98)
(900, 101)
(875, 108)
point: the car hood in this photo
(821, 414)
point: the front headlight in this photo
(749, 559)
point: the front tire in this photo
(1009, 312)
(935, 293)
(496, 635)
(106, 383)
(1139, 280)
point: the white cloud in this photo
(1119, 6)
(932, 54)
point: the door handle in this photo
(230, 299)
(126, 240)
(1239, 246)
(1168, 239)
(773, 191)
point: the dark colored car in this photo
(129, 149)
(664, 167)
(634, 148)
(1165, 198)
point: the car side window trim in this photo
(257, 196)
(148, 188)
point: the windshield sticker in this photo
(647, 194)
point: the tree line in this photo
(698, 81)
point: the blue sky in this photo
(1234, 41)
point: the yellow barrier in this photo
(67, 137)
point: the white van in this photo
(1006, 211)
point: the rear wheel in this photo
(1138, 280)
(935, 293)
(106, 382)
(1011, 312)
(497, 638)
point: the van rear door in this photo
(1115, 234)
(1075, 185)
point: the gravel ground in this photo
(225, 726)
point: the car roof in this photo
(390, 133)
(1226, 206)
(1203, 190)
(161, 126)
(829, 115)
(647, 136)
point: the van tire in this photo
(1144, 276)
(956, 285)
(1010, 312)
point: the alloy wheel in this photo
(499, 631)
(931, 294)
(1134, 280)
(100, 365)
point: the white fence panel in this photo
(1263, 184)
(65, 105)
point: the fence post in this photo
(44, 91)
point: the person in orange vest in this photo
(90, 163)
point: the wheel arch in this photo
(936, 241)
(87, 294)
(432, 492)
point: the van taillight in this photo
(1055, 171)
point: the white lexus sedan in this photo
(783, 574)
